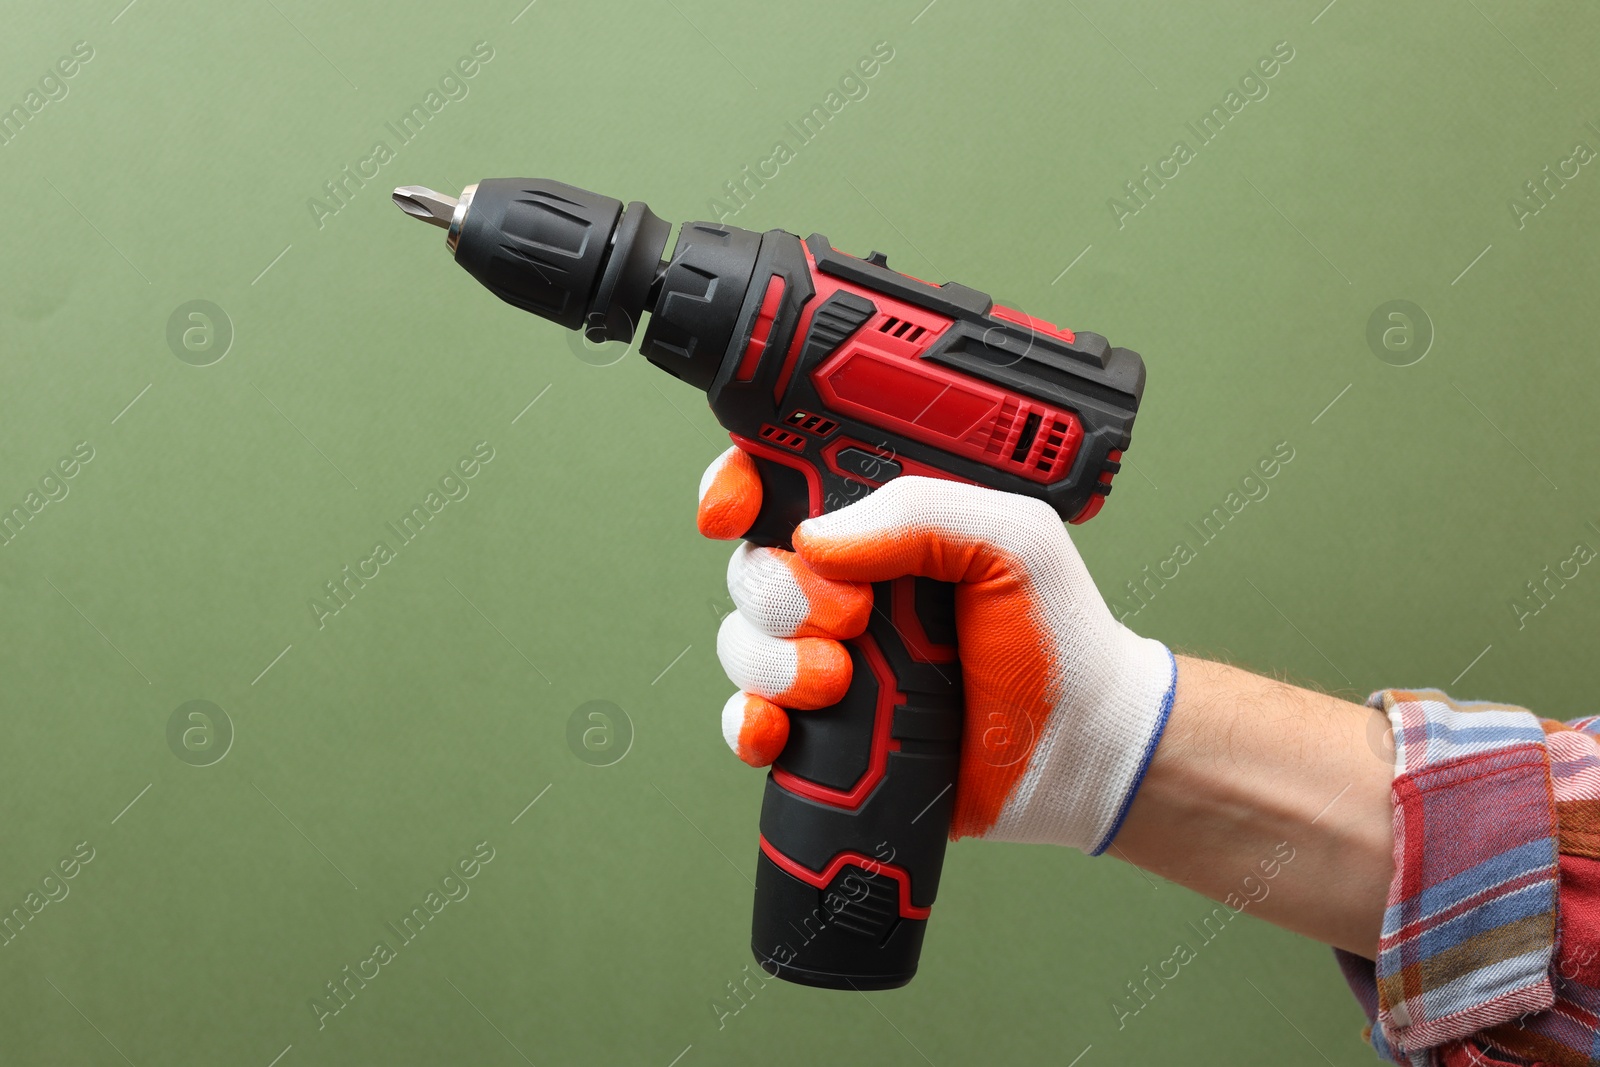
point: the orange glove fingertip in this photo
(730, 496)
(822, 674)
(755, 728)
(837, 608)
(847, 558)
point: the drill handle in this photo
(856, 813)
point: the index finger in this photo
(730, 496)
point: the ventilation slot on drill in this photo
(816, 424)
(904, 329)
(1030, 430)
(779, 436)
(1039, 443)
(1052, 444)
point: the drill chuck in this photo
(590, 263)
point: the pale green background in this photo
(433, 709)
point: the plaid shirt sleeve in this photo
(1490, 950)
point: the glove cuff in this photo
(1160, 690)
(1094, 752)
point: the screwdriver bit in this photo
(423, 203)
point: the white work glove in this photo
(1064, 704)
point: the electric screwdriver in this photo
(835, 374)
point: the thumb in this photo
(952, 531)
(730, 496)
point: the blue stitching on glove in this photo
(1149, 752)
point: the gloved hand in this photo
(1064, 704)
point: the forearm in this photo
(1248, 763)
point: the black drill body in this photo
(836, 374)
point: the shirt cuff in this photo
(1469, 930)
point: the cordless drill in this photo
(836, 374)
